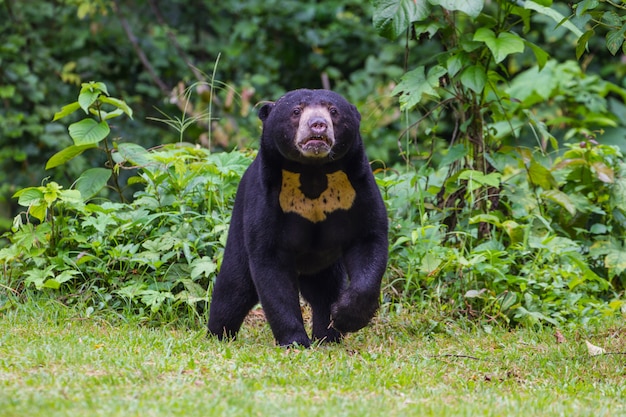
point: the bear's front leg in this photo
(278, 292)
(321, 290)
(365, 263)
(233, 295)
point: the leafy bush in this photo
(518, 213)
(553, 254)
(161, 249)
(165, 245)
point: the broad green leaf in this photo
(119, 104)
(51, 283)
(92, 181)
(51, 192)
(429, 263)
(102, 87)
(616, 261)
(474, 78)
(583, 6)
(100, 222)
(66, 275)
(554, 15)
(546, 3)
(392, 17)
(93, 86)
(469, 7)
(39, 211)
(540, 55)
(28, 196)
(154, 299)
(72, 197)
(615, 39)
(514, 230)
(485, 218)
(106, 115)
(503, 45)
(88, 131)
(133, 153)
(66, 154)
(455, 63)
(534, 85)
(484, 34)
(38, 276)
(581, 44)
(612, 19)
(618, 193)
(202, 267)
(33, 239)
(133, 290)
(454, 153)
(416, 84)
(66, 110)
(192, 294)
(87, 98)
(507, 300)
(560, 198)
(603, 172)
(541, 176)
(491, 179)
(614, 255)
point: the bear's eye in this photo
(333, 111)
(297, 111)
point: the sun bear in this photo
(308, 220)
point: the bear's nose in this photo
(318, 125)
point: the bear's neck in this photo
(313, 169)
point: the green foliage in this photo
(505, 224)
(552, 255)
(606, 15)
(163, 248)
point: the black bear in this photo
(308, 219)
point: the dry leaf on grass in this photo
(594, 350)
(559, 337)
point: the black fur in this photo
(323, 238)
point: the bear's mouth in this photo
(316, 146)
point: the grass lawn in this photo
(53, 362)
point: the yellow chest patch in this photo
(338, 195)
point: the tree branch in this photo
(140, 54)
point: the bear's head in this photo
(311, 126)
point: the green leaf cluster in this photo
(88, 133)
(606, 16)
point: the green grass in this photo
(55, 363)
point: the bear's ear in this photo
(356, 112)
(265, 111)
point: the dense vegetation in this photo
(496, 130)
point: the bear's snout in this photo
(318, 125)
(315, 137)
